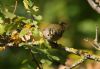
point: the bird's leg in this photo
(53, 44)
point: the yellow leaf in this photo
(26, 4)
(2, 48)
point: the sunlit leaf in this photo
(23, 32)
(26, 21)
(26, 4)
(31, 3)
(55, 58)
(35, 22)
(24, 61)
(8, 14)
(73, 56)
(18, 19)
(39, 17)
(10, 27)
(35, 32)
(1, 20)
(35, 8)
(43, 61)
(2, 49)
(2, 29)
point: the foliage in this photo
(22, 32)
(22, 45)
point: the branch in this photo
(15, 7)
(95, 42)
(35, 60)
(81, 53)
(94, 5)
(78, 62)
(87, 55)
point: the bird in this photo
(53, 32)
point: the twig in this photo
(15, 7)
(78, 62)
(83, 53)
(35, 60)
(95, 42)
(94, 5)
(96, 35)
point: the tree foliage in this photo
(23, 46)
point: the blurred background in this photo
(82, 20)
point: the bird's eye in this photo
(48, 35)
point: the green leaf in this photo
(2, 29)
(26, 4)
(31, 3)
(10, 27)
(27, 21)
(39, 17)
(55, 58)
(1, 20)
(35, 32)
(35, 8)
(43, 61)
(23, 32)
(8, 14)
(46, 61)
(24, 61)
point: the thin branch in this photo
(15, 7)
(35, 60)
(94, 5)
(95, 42)
(78, 62)
(96, 35)
(83, 53)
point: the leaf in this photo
(18, 19)
(46, 61)
(31, 3)
(55, 58)
(43, 61)
(35, 32)
(35, 8)
(8, 14)
(35, 22)
(73, 56)
(26, 4)
(24, 61)
(1, 20)
(26, 20)
(2, 29)
(23, 32)
(10, 27)
(39, 17)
